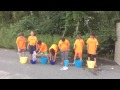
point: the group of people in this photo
(63, 45)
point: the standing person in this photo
(53, 52)
(21, 45)
(92, 44)
(78, 47)
(41, 47)
(32, 43)
(64, 46)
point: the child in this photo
(41, 47)
(78, 47)
(92, 44)
(53, 52)
(32, 43)
(64, 46)
(21, 45)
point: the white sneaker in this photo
(64, 68)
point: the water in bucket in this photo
(33, 61)
(66, 63)
(44, 60)
(78, 63)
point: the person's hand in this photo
(95, 52)
(18, 49)
(61, 50)
(27, 47)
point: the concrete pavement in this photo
(11, 68)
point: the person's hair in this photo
(79, 36)
(52, 51)
(63, 39)
(92, 34)
(21, 34)
(39, 42)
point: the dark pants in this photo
(32, 48)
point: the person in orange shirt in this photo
(53, 52)
(92, 44)
(21, 45)
(78, 47)
(32, 43)
(64, 46)
(41, 47)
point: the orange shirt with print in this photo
(21, 42)
(42, 47)
(32, 40)
(55, 47)
(79, 44)
(64, 45)
(92, 45)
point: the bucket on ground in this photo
(90, 64)
(52, 62)
(23, 60)
(78, 63)
(44, 60)
(33, 61)
(66, 63)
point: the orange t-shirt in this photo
(79, 45)
(32, 40)
(92, 45)
(64, 45)
(21, 42)
(55, 47)
(43, 47)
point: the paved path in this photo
(11, 68)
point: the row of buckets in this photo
(79, 63)
(44, 60)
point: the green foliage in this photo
(50, 26)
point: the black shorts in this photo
(91, 55)
(32, 48)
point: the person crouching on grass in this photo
(78, 47)
(21, 45)
(32, 43)
(53, 52)
(92, 44)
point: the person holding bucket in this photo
(92, 44)
(32, 43)
(78, 47)
(21, 45)
(41, 47)
(64, 46)
(53, 52)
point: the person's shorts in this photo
(21, 51)
(32, 48)
(91, 55)
(77, 54)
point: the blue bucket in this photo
(52, 62)
(78, 63)
(33, 61)
(66, 63)
(44, 60)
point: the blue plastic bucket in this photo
(52, 62)
(66, 63)
(44, 60)
(33, 61)
(78, 63)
